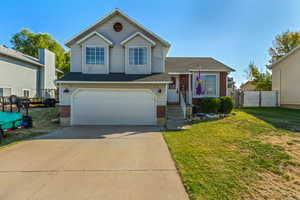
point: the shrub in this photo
(207, 105)
(226, 105)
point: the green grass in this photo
(221, 159)
(41, 125)
(280, 117)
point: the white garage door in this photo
(98, 107)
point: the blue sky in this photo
(232, 31)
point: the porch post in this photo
(190, 88)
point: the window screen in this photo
(95, 55)
(138, 56)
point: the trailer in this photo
(11, 117)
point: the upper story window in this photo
(25, 93)
(95, 55)
(138, 55)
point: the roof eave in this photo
(284, 57)
(23, 60)
(135, 35)
(97, 34)
(115, 82)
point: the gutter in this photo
(116, 82)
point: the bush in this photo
(207, 105)
(213, 105)
(226, 105)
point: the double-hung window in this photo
(205, 85)
(95, 55)
(138, 55)
(25, 93)
(5, 92)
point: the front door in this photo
(173, 90)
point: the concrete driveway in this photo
(107, 163)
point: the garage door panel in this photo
(113, 108)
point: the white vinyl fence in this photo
(256, 99)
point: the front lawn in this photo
(250, 155)
(42, 124)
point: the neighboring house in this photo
(248, 86)
(286, 79)
(23, 75)
(120, 76)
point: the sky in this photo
(235, 32)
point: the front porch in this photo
(179, 99)
(188, 88)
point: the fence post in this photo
(242, 99)
(277, 100)
(260, 99)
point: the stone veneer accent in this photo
(65, 113)
(161, 114)
(161, 111)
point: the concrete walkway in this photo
(107, 163)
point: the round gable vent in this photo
(118, 27)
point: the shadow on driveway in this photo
(100, 132)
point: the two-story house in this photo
(26, 76)
(120, 75)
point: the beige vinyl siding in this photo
(117, 52)
(76, 61)
(286, 79)
(18, 76)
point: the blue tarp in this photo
(8, 119)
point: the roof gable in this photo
(106, 18)
(284, 57)
(97, 34)
(138, 34)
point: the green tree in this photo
(28, 42)
(283, 44)
(262, 80)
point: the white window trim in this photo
(95, 46)
(11, 89)
(127, 65)
(97, 34)
(217, 85)
(83, 58)
(138, 34)
(144, 46)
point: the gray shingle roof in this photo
(115, 77)
(20, 56)
(187, 64)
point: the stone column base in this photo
(161, 121)
(65, 112)
(65, 121)
(161, 115)
(189, 111)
